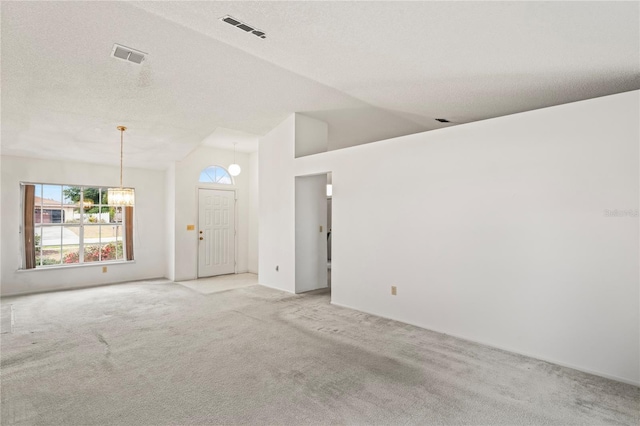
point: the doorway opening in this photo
(312, 236)
(329, 227)
(216, 232)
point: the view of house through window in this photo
(73, 225)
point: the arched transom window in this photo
(216, 174)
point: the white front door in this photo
(216, 232)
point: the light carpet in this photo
(221, 283)
(158, 353)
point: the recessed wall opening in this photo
(312, 136)
(329, 227)
(312, 233)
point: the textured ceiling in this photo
(372, 70)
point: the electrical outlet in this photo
(394, 290)
(104, 269)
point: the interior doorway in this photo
(216, 232)
(329, 226)
(311, 233)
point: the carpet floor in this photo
(159, 353)
(221, 283)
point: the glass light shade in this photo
(234, 170)
(329, 190)
(121, 196)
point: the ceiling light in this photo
(121, 196)
(243, 26)
(234, 169)
(127, 54)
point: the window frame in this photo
(231, 180)
(82, 226)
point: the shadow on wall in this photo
(357, 126)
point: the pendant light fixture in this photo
(234, 169)
(121, 196)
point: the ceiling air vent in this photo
(243, 26)
(230, 20)
(127, 54)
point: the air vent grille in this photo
(231, 21)
(127, 54)
(244, 26)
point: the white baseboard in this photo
(275, 288)
(83, 287)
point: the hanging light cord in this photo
(122, 129)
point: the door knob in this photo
(202, 238)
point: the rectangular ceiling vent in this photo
(127, 54)
(243, 26)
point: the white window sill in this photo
(79, 265)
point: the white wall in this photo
(1, 227)
(253, 214)
(495, 231)
(170, 226)
(312, 136)
(187, 173)
(311, 233)
(276, 243)
(149, 235)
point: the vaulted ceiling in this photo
(372, 70)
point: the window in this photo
(216, 174)
(67, 225)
